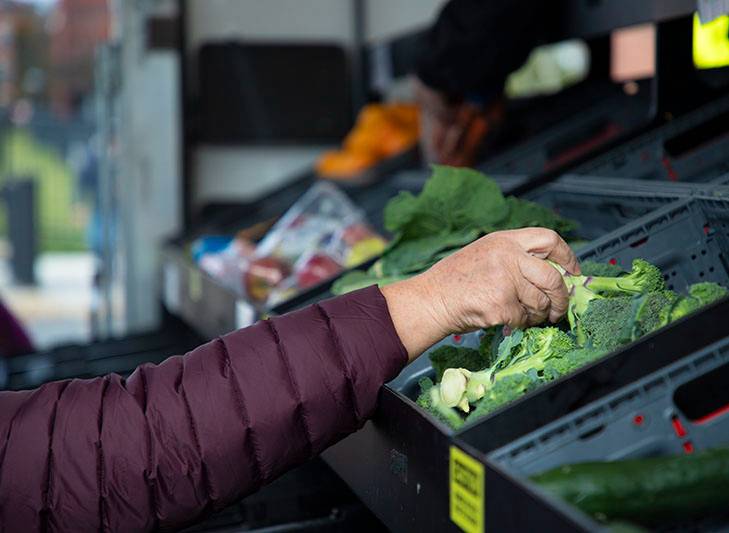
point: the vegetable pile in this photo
(456, 206)
(608, 308)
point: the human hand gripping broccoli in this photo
(605, 311)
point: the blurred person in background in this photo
(13, 338)
(176, 441)
(467, 56)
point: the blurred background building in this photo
(47, 123)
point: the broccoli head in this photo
(571, 361)
(528, 351)
(489, 344)
(445, 357)
(607, 322)
(682, 307)
(707, 292)
(430, 400)
(504, 391)
(650, 312)
(522, 352)
(700, 294)
(643, 278)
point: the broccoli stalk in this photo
(643, 277)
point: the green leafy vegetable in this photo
(456, 206)
(357, 279)
(453, 199)
(456, 357)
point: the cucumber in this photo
(650, 491)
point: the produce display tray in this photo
(679, 409)
(404, 477)
(693, 147)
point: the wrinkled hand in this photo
(500, 279)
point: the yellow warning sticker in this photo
(466, 491)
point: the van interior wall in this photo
(246, 172)
(151, 190)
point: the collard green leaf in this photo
(525, 214)
(399, 211)
(453, 199)
(465, 198)
(358, 279)
(414, 255)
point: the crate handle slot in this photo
(591, 433)
(704, 398)
(639, 242)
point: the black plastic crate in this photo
(679, 409)
(308, 498)
(693, 147)
(572, 137)
(686, 239)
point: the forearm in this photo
(196, 432)
(417, 313)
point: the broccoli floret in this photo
(538, 346)
(643, 278)
(682, 307)
(522, 352)
(456, 357)
(504, 391)
(430, 400)
(707, 292)
(701, 294)
(607, 323)
(571, 361)
(489, 344)
(650, 312)
(593, 268)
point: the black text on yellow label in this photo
(466, 491)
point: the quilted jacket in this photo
(175, 441)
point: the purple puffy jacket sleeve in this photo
(199, 431)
